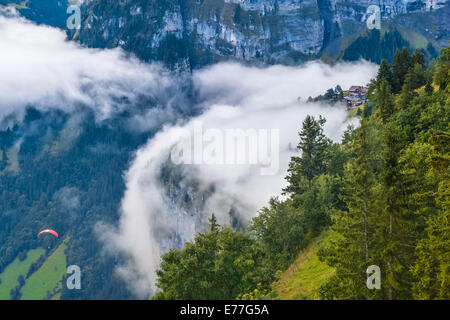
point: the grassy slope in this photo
(14, 270)
(305, 276)
(48, 277)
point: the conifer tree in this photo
(432, 268)
(385, 101)
(418, 58)
(407, 92)
(402, 63)
(314, 147)
(441, 77)
(214, 226)
(395, 231)
(355, 226)
(384, 72)
(429, 87)
(388, 209)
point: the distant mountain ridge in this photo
(194, 33)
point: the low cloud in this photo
(40, 68)
(68, 198)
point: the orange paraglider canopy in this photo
(53, 232)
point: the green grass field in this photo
(417, 40)
(302, 280)
(16, 269)
(48, 277)
(352, 113)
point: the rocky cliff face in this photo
(198, 32)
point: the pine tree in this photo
(384, 72)
(339, 93)
(432, 268)
(385, 101)
(214, 226)
(352, 252)
(400, 67)
(429, 87)
(407, 92)
(418, 58)
(396, 231)
(418, 76)
(389, 209)
(441, 76)
(361, 188)
(314, 147)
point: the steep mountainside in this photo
(199, 32)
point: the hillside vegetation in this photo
(47, 280)
(382, 193)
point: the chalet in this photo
(354, 91)
(357, 95)
(352, 102)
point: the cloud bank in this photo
(154, 219)
(41, 69)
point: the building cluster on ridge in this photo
(357, 96)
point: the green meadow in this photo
(14, 270)
(48, 278)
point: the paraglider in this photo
(53, 232)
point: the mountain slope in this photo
(194, 33)
(307, 273)
(48, 279)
